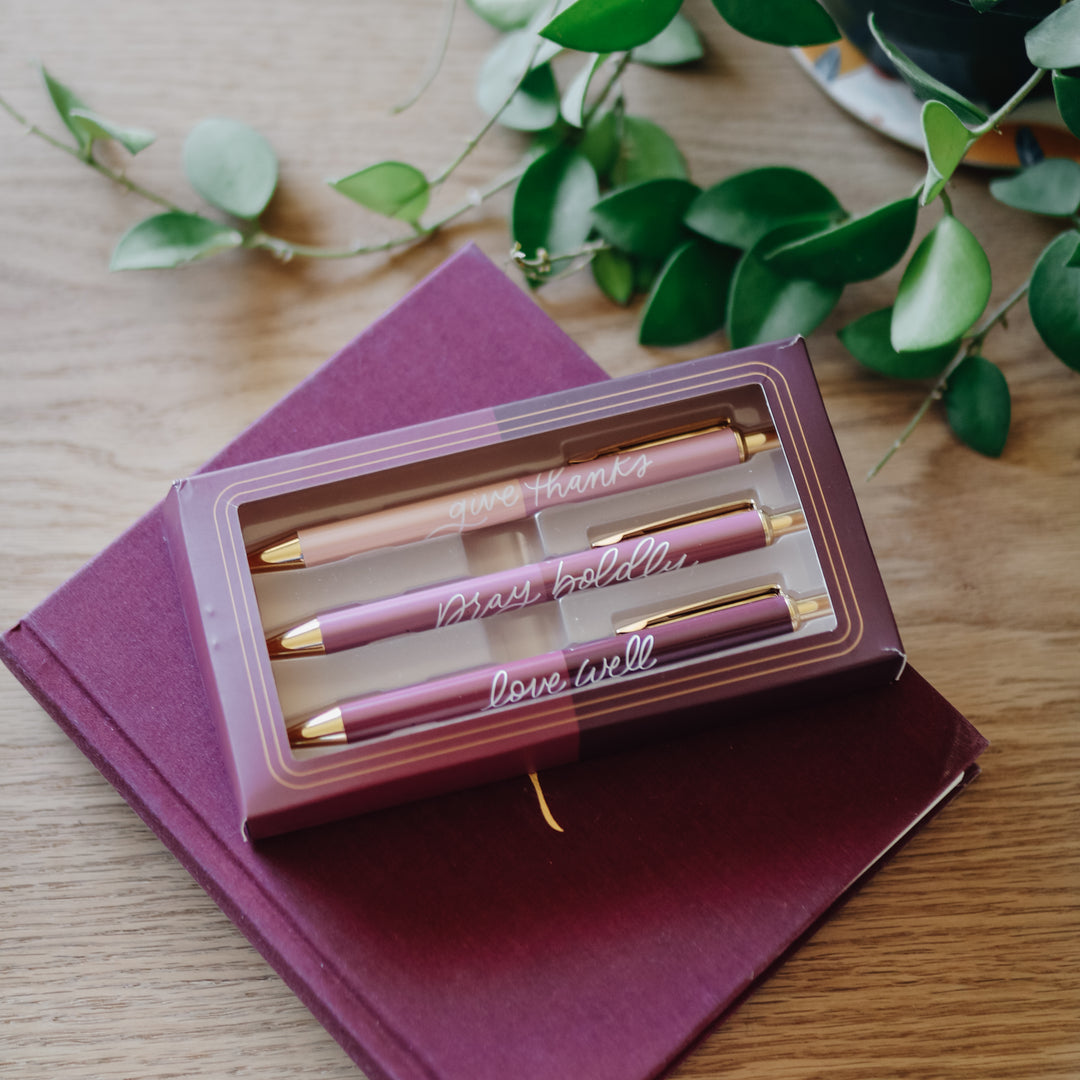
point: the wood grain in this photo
(960, 960)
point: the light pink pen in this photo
(646, 550)
(636, 647)
(670, 456)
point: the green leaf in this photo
(1067, 95)
(867, 339)
(552, 207)
(535, 104)
(678, 43)
(925, 86)
(744, 207)
(1054, 298)
(572, 106)
(613, 272)
(944, 289)
(983, 6)
(780, 22)
(65, 99)
(171, 239)
(391, 188)
(600, 143)
(765, 305)
(946, 141)
(646, 218)
(1054, 43)
(1051, 187)
(610, 25)
(978, 407)
(97, 127)
(689, 298)
(646, 152)
(506, 14)
(855, 250)
(231, 166)
(646, 271)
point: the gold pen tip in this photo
(324, 729)
(303, 640)
(280, 555)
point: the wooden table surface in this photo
(960, 960)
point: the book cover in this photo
(463, 937)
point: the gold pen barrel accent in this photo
(813, 607)
(777, 525)
(755, 442)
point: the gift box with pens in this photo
(507, 590)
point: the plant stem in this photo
(286, 249)
(995, 118)
(616, 73)
(437, 62)
(87, 159)
(969, 348)
(471, 145)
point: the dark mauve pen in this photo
(638, 646)
(656, 547)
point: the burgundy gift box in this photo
(461, 937)
(718, 441)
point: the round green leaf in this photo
(506, 14)
(613, 272)
(171, 239)
(925, 86)
(780, 22)
(867, 339)
(646, 152)
(646, 218)
(1067, 95)
(765, 305)
(944, 289)
(678, 43)
(1054, 298)
(744, 207)
(131, 139)
(231, 166)
(553, 202)
(978, 407)
(1055, 42)
(946, 141)
(391, 188)
(610, 25)
(688, 299)
(535, 104)
(572, 106)
(855, 250)
(1051, 187)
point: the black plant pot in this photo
(980, 55)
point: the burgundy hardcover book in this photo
(463, 938)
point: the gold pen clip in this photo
(749, 443)
(687, 431)
(774, 525)
(672, 521)
(801, 610)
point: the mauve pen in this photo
(638, 646)
(670, 456)
(655, 547)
